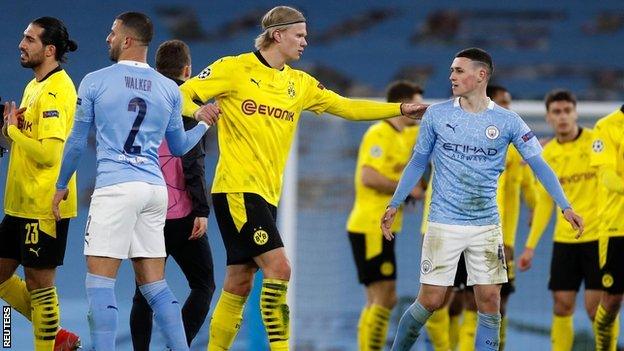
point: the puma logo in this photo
(452, 127)
(256, 82)
(53, 94)
(36, 252)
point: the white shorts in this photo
(127, 220)
(482, 247)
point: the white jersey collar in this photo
(133, 63)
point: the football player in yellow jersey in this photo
(385, 150)
(607, 154)
(261, 99)
(29, 234)
(574, 261)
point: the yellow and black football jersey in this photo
(50, 106)
(386, 150)
(571, 163)
(260, 108)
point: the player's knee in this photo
(489, 301)
(278, 269)
(564, 307)
(612, 303)
(431, 303)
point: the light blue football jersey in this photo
(132, 107)
(468, 153)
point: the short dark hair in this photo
(402, 90)
(493, 89)
(171, 57)
(140, 24)
(55, 33)
(559, 95)
(478, 55)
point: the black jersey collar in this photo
(57, 69)
(263, 60)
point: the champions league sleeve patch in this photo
(204, 74)
(528, 136)
(48, 114)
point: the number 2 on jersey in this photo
(132, 107)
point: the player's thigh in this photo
(485, 256)
(566, 267)
(590, 263)
(247, 224)
(441, 250)
(612, 273)
(112, 219)
(148, 239)
(374, 257)
(10, 252)
(42, 245)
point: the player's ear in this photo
(277, 36)
(50, 51)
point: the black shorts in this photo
(25, 241)
(572, 264)
(461, 279)
(377, 268)
(247, 225)
(612, 273)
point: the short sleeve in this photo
(52, 116)
(373, 150)
(86, 100)
(524, 139)
(603, 152)
(175, 120)
(426, 134)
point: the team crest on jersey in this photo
(597, 146)
(375, 151)
(291, 89)
(426, 267)
(204, 74)
(492, 132)
(607, 280)
(260, 237)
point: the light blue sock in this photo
(167, 313)
(488, 330)
(409, 326)
(102, 313)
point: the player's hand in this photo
(525, 260)
(575, 220)
(61, 194)
(386, 222)
(12, 114)
(199, 228)
(413, 111)
(208, 113)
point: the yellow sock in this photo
(438, 329)
(377, 327)
(14, 292)
(562, 333)
(615, 332)
(503, 334)
(275, 313)
(226, 321)
(454, 331)
(45, 317)
(467, 331)
(604, 327)
(363, 329)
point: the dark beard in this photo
(113, 55)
